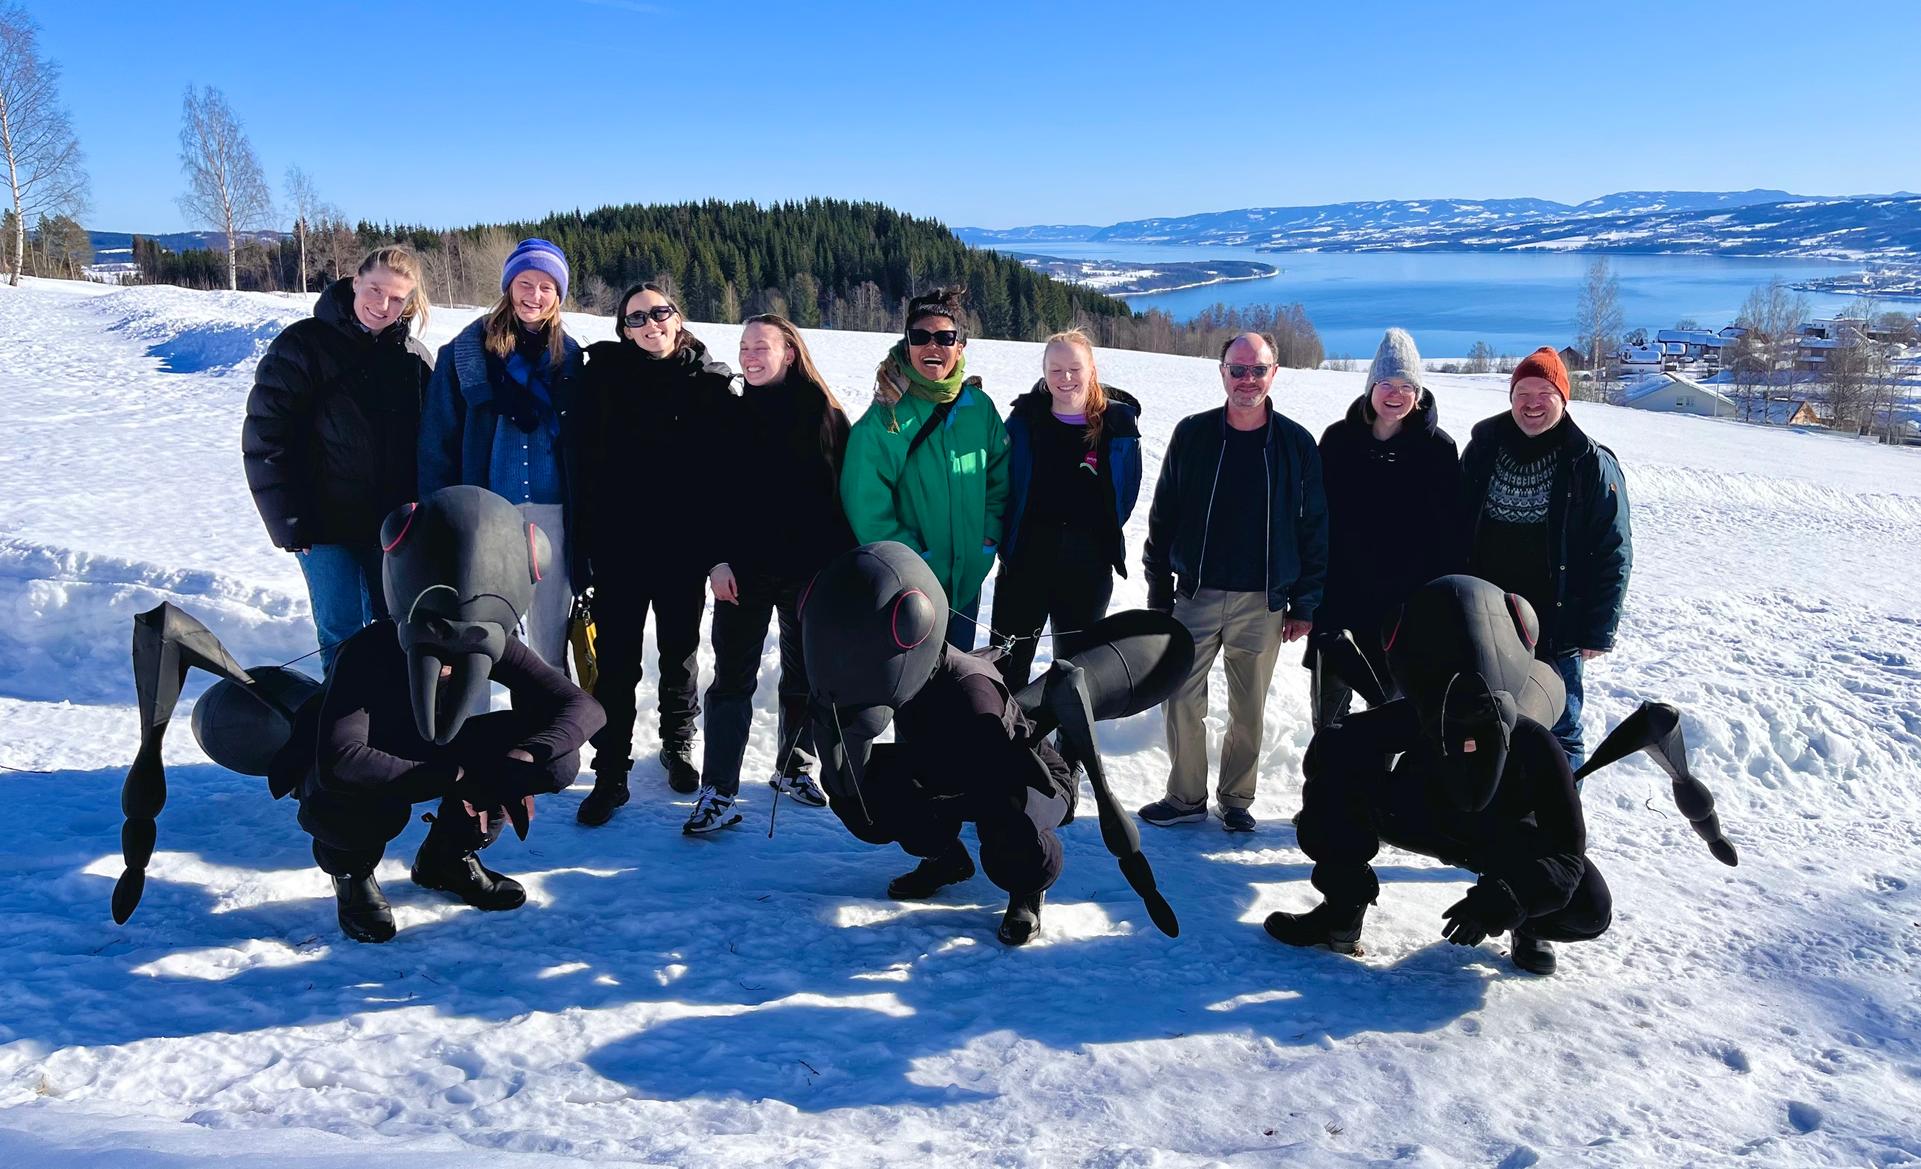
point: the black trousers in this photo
(740, 632)
(1059, 574)
(1020, 848)
(622, 597)
(1349, 810)
(351, 829)
(1329, 697)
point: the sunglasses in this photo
(1241, 371)
(639, 317)
(946, 338)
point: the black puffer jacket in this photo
(781, 495)
(1391, 514)
(332, 424)
(654, 436)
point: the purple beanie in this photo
(536, 255)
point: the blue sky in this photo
(457, 111)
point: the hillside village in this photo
(1842, 372)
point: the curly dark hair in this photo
(941, 302)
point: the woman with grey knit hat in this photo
(1393, 480)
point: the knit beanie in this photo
(1396, 358)
(1543, 363)
(536, 255)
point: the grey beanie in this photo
(1396, 358)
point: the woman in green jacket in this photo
(927, 462)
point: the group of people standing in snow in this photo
(658, 474)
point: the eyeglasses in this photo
(1241, 371)
(947, 338)
(639, 317)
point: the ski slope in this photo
(738, 1001)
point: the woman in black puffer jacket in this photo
(330, 434)
(1393, 480)
(656, 412)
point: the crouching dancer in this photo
(395, 728)
(873, 625)
(1480, 782)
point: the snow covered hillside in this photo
(736, 1000)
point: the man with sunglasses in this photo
(1237, 551)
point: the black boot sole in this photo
(460, 891)
(917, 892)
(372, 933)
(1277, 925)
(593, 812)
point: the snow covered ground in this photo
(744, 1001)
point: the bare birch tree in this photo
(305, 205)
(42, 160)
(225, 189)
(1597, 322)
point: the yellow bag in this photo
(582, 636)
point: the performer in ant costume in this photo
(395, 724)
(1464, 768)
(964, 749)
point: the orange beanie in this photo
(1543, 363)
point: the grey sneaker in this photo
(1165, 812)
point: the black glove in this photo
(1490, 907)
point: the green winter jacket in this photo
(950, 502)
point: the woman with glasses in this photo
(656, 407)
(927, 463)
(500, 414)
(1075, 472)
(1392, 479)
(782, 523)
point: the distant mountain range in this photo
(118, 245)
(1728, 223)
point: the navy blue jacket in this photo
(1184, 500)
(1588, 534)
(458, 424)
(1120, 462)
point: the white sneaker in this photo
(712, 812)
(801, 788)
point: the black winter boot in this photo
(1324, 925)
(682, 775)
(933, 874)
(610, 792)
(1022, 920)
(1531, 953)
(447, 861)
(364, 913)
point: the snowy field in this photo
(736, 1000)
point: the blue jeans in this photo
(961, 628)
(1568, 728)
(343, 580)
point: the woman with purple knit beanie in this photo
(500, 414)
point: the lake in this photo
(1515, 301)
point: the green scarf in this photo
(923, 387)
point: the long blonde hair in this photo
(832, 443)
(402, 261)
(502, 324)
(1096, 396)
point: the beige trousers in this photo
(1238, 628)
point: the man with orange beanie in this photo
(1547, 511)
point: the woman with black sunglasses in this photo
(927, 463)
(656, 412)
